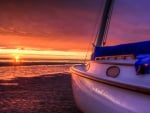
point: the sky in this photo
(66, 29)
(130, 22)
(49, 28)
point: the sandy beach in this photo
(43, 94)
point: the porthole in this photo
(113, 71)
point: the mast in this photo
(104, 22)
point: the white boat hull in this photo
(93, 96)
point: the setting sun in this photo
(42, 54)
(17, 58)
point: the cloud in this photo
(53, 22)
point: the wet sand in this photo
(43, 94)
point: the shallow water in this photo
(12, 72)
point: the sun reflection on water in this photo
(12, 72)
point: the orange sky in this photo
(41, 54)
(64, 29)
(48, 28)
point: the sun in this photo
(17, 58)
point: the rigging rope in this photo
(93, 36)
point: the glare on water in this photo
(12, 72)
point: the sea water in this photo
(12, 72)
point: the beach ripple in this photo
(43, 94)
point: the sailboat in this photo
(117, 77)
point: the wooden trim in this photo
(115, 57)
(114, 63)
(112, 83)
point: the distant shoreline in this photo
(35, 63)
